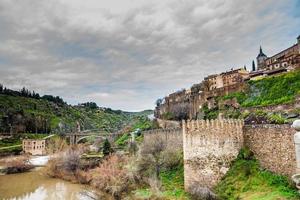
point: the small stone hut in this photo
(34, 146)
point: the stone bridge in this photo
(75, 138)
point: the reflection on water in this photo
(35, 186)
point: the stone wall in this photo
(172, 136)
(168, 123)
(273, 146)
(209, 147)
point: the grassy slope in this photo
(246, 180)
(172, 186)
(270, 90)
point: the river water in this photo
(36, 186)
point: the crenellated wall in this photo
(209, 147)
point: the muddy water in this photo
(36, 186)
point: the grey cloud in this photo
(127, 60)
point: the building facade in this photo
(225, 79)
(287, 59)
(34, 147)
(195, 97)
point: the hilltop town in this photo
(186, 103)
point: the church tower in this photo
(260, 59)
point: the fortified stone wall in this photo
(209, 147)
(273, 146)
(168, 123)
(172, 136)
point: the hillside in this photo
(270, 91)
(262, 97)
(23, 114)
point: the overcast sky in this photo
(125, 54)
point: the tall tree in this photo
(253, 66)
(106, 147)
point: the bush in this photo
(111, 176)
(246, 177)
(277, 119)
(201, 193)
(210, 113)
(106, 147)
(17, 165)
(150, 158)
(69, 166)
(156, 156)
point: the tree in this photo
(1, 88)
(253, 66)
(158, 102)
(106, 147)
(151, 155)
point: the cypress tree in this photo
(253, 66)
(106, 147)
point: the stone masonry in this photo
(209, 148)
(34, 147)
(172, 136)
(273, 146)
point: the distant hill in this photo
(34, 114)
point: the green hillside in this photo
(270, 90)
(30, 115)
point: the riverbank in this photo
(36, 185)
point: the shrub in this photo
(201, 193)
(56, 144)
(69, 166)
(155, 157)
(172, 158)
(17, 165)
(246, 176)
(168, 115)
(150, 158)
(210, 113)
(277, 119)
(111, 176)
(106, 147)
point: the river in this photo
(36, 186)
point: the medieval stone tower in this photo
(261, 59)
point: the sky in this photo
(125, 54)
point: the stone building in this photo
(287, 59)
(204, 92)
(226, 79)
(34, 147)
